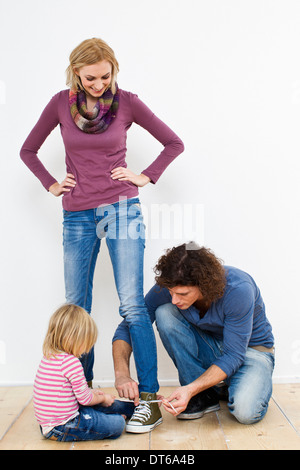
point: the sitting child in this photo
(65, 407)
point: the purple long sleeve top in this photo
(91, 157)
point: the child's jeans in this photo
(94, 423)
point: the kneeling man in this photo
(212, 322)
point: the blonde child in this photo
(65, 407)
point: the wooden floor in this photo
(279, 430)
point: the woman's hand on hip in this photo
(57, 189)
(124, 174)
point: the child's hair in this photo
(72, 330)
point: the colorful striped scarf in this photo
(98, 120)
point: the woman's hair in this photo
(190, 265)
(72, 330)
(90, 52)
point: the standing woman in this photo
(100, 195)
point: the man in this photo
(211, 319)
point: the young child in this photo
(65, 407)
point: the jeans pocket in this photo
(66, 213)
(54, 435)
(61, 432)
(270, 357)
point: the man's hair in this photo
(191, 265)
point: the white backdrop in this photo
(225, 76)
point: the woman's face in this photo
(95, 78)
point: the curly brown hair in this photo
(191, 265)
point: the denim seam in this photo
(88, 272)
(207, 343)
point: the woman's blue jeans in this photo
(94, 423)
(122, 226)
(193, 351)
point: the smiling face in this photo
(95, 78)
(185, 296)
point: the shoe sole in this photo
(198, 414)
(139, 429)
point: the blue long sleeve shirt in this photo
(238, 318)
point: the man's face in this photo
(184, 296)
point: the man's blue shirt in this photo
(238, 318)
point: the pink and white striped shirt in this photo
(59, 387)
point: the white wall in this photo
(225, 75)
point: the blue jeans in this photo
(122, 226)
(94, 423)
(193, 351)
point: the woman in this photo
(100, 194)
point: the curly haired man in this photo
(212, 322)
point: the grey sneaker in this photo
(146, 415)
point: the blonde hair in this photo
(90, 52)
(72, 330)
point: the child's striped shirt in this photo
(59, 387)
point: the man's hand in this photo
(179, 398)
(125, 385)
(182, 395)
(127, 388)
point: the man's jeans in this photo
(122, 226)
(94, 423)
(193, 351)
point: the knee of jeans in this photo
(247, 412)
(119, 427)
(133, 307)
(165, 316)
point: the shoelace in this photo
(142, 412)
(160, 401)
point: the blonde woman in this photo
(100, 198)
(66, 408)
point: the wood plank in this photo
(127, 441)
(199, 434)
(25, 434)
(12, 401)
(273, 432)
(287, 397)
(220, 430)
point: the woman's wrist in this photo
(146, 178)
